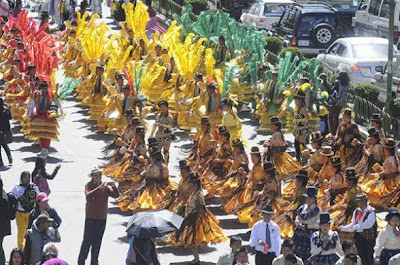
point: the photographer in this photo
(97, 193)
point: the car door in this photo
(329, 57)
(246, 16)
(340, 59)
(255, 15)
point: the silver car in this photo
(361, 57)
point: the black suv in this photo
(310, 27)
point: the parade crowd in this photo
(318, 207)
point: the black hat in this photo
(199, 75)
(211, 86)
(236, 142)
(327, 151)
(152, 141)
(390, 143)
(139, 130)
(31, 66)
(275, 120)
(361, 197)
(311, 192)
(129, 112)
(100, 66)
(222, 129)
(154, 150)
(268, 166)
(255, 150)
(372, 131)
(300, 94)
(162, 103)
(324, 218)
(347, 112)
(136, 120)
(205, 120)
(227, 101)
(126, 87)
(316, 136)
(303, 173)
(335, 161)
(43, 84)
(351, 173)
(392, 212)
(194, 176)
(376, 117)
(44, 14)
(119, 76)
(182, 163)
(267, 209)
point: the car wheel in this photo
(323, 35)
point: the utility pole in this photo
(389, 68)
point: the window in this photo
(277, 9)
(374, 7)
(252, 8)
(333, 49)
(257, 9)
(289, 18)
(363, 5)
(385, 9)
(309, 21)
(341, 50)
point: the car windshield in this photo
(309, 21)
(268, 9)
(370, 50)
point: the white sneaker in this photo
(44, 153)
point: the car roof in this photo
(315, 8)
(276, 1)
(364, 40)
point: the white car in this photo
(360, 57)
(263, 13)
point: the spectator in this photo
(350, 259)
(145, 251)
(25, 193)
(265, 238)
(17, 257)
(364, 224)
(325, 85)
(5, 129)
(5, 220)
(292, 259)
(229, 258)
(40, 176)
(43, 207)
(388, 243)
(97, 193)
(130, 256)
(4, 9)
(241, 257)
(37, 237)
(348, 247)
(17, 8)
(286, 249)
(50, 255)
(338, 100)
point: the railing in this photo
(168, 7)
(364, 109)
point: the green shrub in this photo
(295, 51)
(368, 91)
(274, 44)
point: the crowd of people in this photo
(315, 208)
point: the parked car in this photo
(361, 57)
(265, 12)
(372, 19)
(233, 7)
(380, 78)
(310, 27)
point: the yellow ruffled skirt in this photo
(38, 127)
(199, 228)
(285, 164)
(376, 188)
(149, 196)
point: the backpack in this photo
(12, 205)
(29, 198)
(41, 182)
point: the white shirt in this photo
(361, 225)
(226, 259)
(386, 240)
(341, 261)
(280, 260)
(258, 232)
(18, 191)
(315, 250)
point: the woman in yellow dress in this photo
(347, 140)
(230, 119)
(200, 226)
(327, 170)
(317, 159)
(386, 180)
(234, 178)
(184, 190)
(203, 146)
(301, 128)
(338, 184)
(218, 165)
(373, 153)
(376, 122)
(254, 183)
(156, 190)
(250, 212)
(276, 152)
